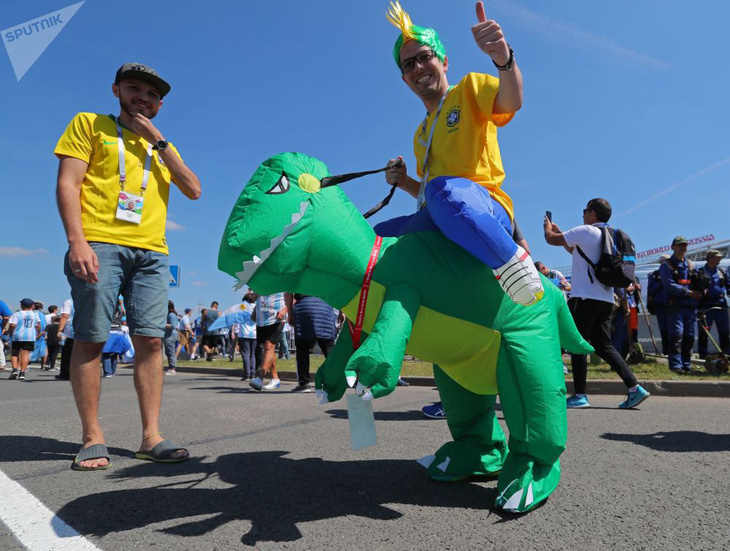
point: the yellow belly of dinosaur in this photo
(467, 352)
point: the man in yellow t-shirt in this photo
(459, 164)
(113, 185)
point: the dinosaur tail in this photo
(570, 339)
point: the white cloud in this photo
(667, 190)
(198, 283)
(17, 252)
(174, 226)
(564, 32)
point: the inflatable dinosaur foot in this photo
(460, 460)
(524, 484)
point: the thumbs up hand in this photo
(489, 37)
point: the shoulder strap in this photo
(588, 260)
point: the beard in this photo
(130, 109)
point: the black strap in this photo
(380, 205)
(328, 181)
(603, 244)
(588, 261)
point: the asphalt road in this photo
(275, 471)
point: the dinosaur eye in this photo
(281, 186)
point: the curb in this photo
(687, 389)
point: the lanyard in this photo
(357, 330)
(123, 168)
(427, 145)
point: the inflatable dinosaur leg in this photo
(468, 216)
(479, 446)
(377, 363)
(532, 394)
(330, 382)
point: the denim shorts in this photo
(139, 275)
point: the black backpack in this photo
(617, 263)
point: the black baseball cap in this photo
(27, 303)
(142, 72)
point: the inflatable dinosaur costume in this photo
(428, 298)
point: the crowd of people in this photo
(32, 335)
(262, 329)
(687, 301)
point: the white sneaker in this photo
(273, 384)
(256, 383)
(520, 279)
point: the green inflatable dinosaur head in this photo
(267, 241)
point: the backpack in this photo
(617, 263)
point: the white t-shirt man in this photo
(588, 238)
(68, 308)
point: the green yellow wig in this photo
(426, 36)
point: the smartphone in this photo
(549, 216)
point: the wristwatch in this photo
(507, 66)
(160, 145)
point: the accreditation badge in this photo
(129, 207)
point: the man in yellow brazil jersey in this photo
(106, 164)
(459, 164)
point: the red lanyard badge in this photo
(355, 332)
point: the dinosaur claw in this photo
(426, 461)
(351, 380)
(323, 399)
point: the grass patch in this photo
(416, 368)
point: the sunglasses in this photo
(408, 64)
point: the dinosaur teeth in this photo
(250, 266)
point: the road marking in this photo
(34, 524)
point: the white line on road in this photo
(34, 524)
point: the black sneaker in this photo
(13, 374)
(21, 376)
(302, 387)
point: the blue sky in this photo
(624, 100)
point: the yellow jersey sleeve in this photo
(482, 90)
(76, 139)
